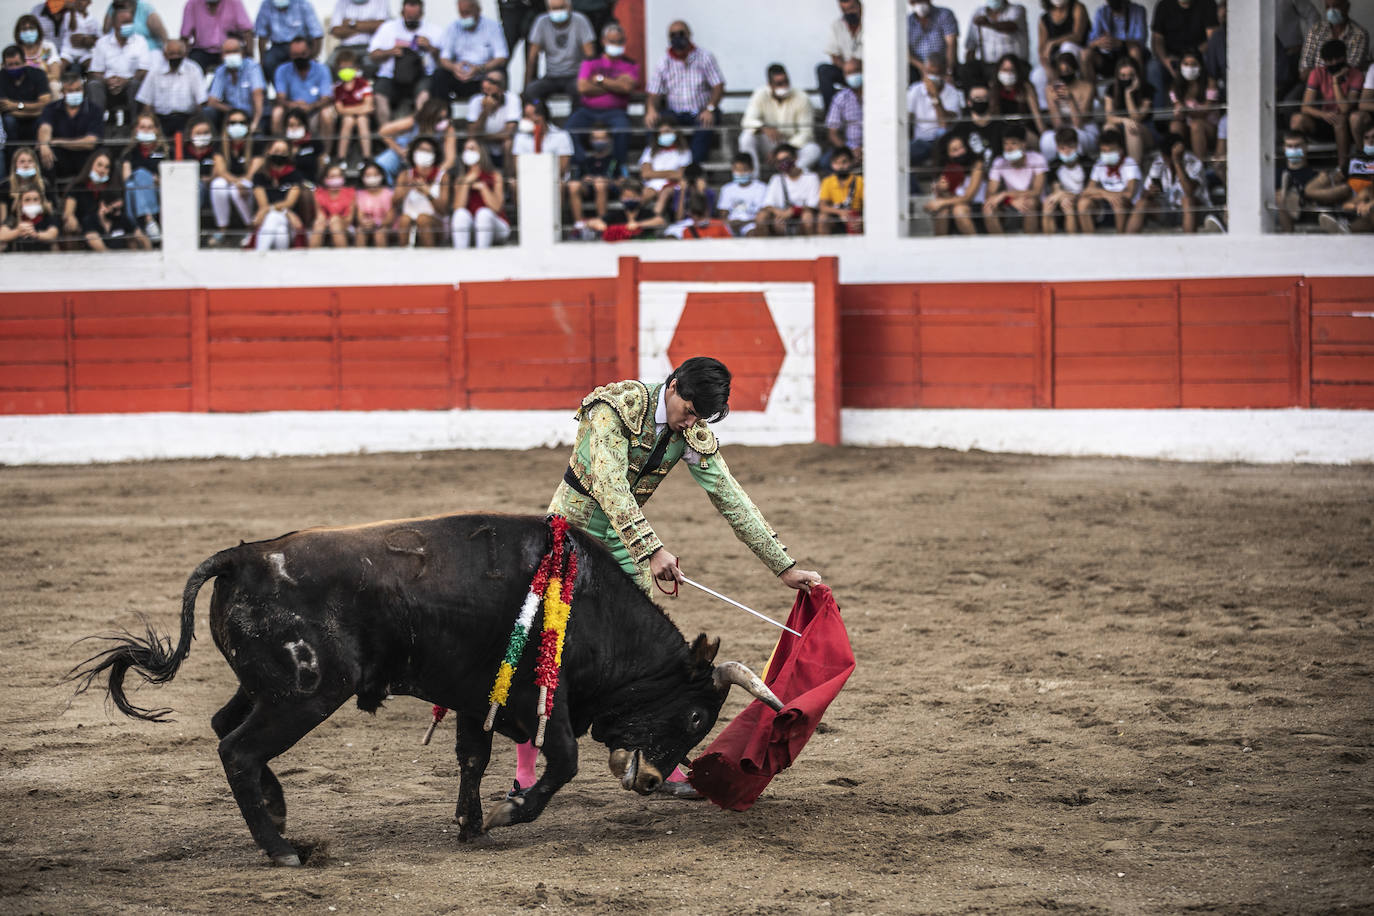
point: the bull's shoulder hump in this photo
(629, 399)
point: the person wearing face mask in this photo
(1355, 194)
(39, 52)
(1114, 183)
(24, 175)
(1174, 193)
(231, 184)
(1334, 24)
(980, 132)
(472, 47)
(70, 129)
(1013, 96)
(174, 91)
(688, 84)
(1120, 28)
(276, 191)
(404, 51)
(353, 24)
(1196, 101)
(998, 27)
(120, 62)
(957, 189)
(1331, 96)
(30, 226)
(738, 202)
(207, 24)
(604, 86)
(493, 115)
(238, 85)
(841, 210)
(1063, 28)
(77, 32)
(24, 93)
(200, 148)
(304, 85)
(421, 194)
(1016, 182)
(1177, 28)
(306, 155)
(478, 201)
(934, 105)
(778, 113)
(1292, 175)
(111, 229)
(845, 119)
(147, 23)
(536, 133)
(97, 177)
(278, 24)
(594, 175)
(931, 29)
(793, 194)
(1073, 105)
(354, 103)
(1127, 107)
(846, 43)
(431, 120)
(1066, 179)
(335, 213)
(662, 165)
(139, 168)
(565, 39)
(373, 201)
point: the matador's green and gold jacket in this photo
(616, 439)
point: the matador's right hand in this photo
(663, 565)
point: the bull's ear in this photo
(704, 650)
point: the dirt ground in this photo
(1083, 685)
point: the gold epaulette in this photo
(701, 440)
(629, 399)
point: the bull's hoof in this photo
(682, 790)
(476, 839)
(502, 813)
(287, 861)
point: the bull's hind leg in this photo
(474, 752)
(267, 732)
(560, 766)
(228, 719)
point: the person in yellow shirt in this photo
(842, 196)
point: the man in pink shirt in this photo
(605, 84)
(1015, 183)
(206, 23)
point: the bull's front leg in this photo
(560, 766)
(474, 752)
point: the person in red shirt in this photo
(1333, 92)
(478, 200)
(355, 105)
(334, 209)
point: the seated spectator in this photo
(238, 85)
(931, 29)
(789, 204)
(1014, 97)
(83, 192)
(1175, 190)
(1196, 102)
(175, 90)
(693, 182)
(1331, 97)
(739, 202)
(1352, 192)
(307, 153)
(69, 130)
(1126, 104)
(147, 23)
(30, 227)
(687, 85)
(353, 103)
(1063, 29)
(432, 121)
(374, 201)
(470, 50)
(1120, 29)
(634, 218)
(207, 24)
(139, 170)
(698, 223)
(662, 164)
(23, 175)
(1178, 27)
(231, 184)
(419, 200)
(304, 85)
(566, 39)
(24, 93)
(353, 24)
(845, 119)
(493, 115)
(278, 24)
(604, 86)
(1015, 183)
(594, 175)
(981, 133)
(846, 43)
(200, 149)
(1291, 178)
(1114, 182)
(1073, 105)
(403, 51)
(1067, 178)
(778, 113)
(478, 201)
(841, 210)
(77, 32)
(958, 189)
(535, 133)
(934, 106)
(120, 62)
(276, 191)
(334, 209)
(1337, 24)
(998, 27)
(39, 52)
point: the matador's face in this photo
(681, 413)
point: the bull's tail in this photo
(151, 655)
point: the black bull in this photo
(424, 607)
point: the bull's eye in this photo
(696, 720)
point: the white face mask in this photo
(233, 61)
(1190, 73)
(1110, 157)
(1006, 78)
(921, 9)
(471, 157)
(237, 130)
(423, 158)
(526, 126)
(1015, 155)
(145, 136)
(201, 140)
(782, 93)
(615, 50)
(32, 211)
(372, 181)
(98, 178)
(295, 133)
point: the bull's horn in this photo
(728, 673)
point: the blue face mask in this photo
(97, 178)
(1369, 149)
(855, 80)
(25, 173)
(667, 139)
(74, 99)
(560, 16)
(743, 178)
(1294, 154)
(1069, 158)
(28, 37)
(468, 22)
(281, 4)
(1335, 17)
(126, 29)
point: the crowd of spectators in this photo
(406, 133)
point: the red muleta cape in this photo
(806, 673)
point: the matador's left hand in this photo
(796, 577)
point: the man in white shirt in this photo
(353, 24)
(791, 199)
(492, 116)
(120, 61)
(174, 89)
(846, 43)
(778, 113)
(78, 34)
(535, 133)
(740, 201)
(470, 47)
(403, 52)
(934, 104)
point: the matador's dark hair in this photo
(704, 383)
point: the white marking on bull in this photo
(278, 561)
(307, 665)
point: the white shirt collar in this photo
(661, 412)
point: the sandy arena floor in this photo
(1083, 685)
